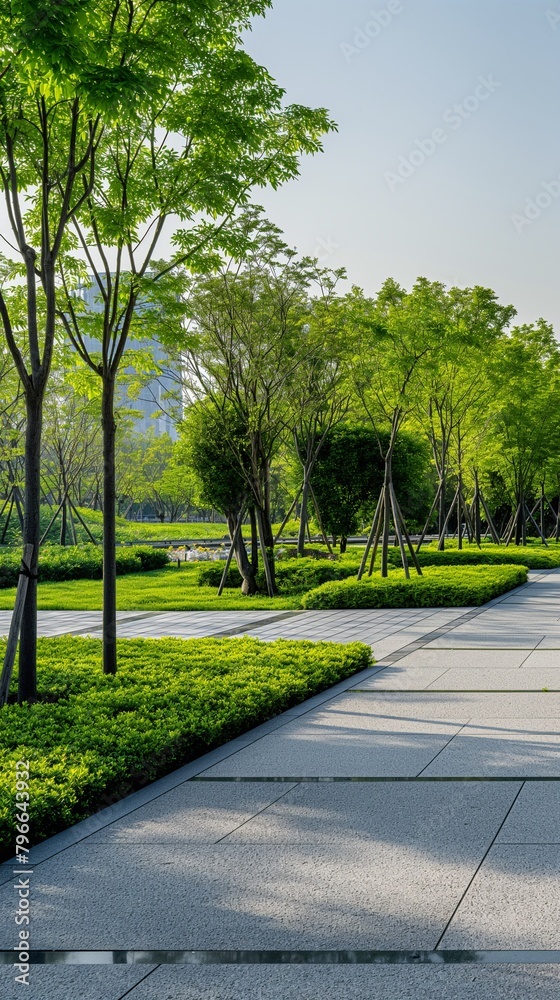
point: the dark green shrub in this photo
(294, 576)
(171, 700)
(437, 588)
(497, 555)
(81, 562)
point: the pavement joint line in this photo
(373, 779)
(258, 813)
(134, 617)
(479, 866)
(277, 957)
(255, 625)
(401, 691)
(464, 725)
(139, 983)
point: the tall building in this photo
(151, 405)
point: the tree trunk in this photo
(109, 528)
(387, 482)
(249, 585)
(254, 541)
(343, 544)
(27, 679)
(303, 517)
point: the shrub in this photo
(495, 556)
(437, 588)
(81, 562)
(171, 700)
(293, 576)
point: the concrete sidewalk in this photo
(403, 827)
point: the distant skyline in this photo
(447, 159)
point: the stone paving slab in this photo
(353, 735)
(535, 817)
(460, 639)
(193, 813)
(483, 659)
(398, 678)
(273, 982)
(514, 901)
(246, 896)
(538, 679)
(70, 982)
(548, 659)
(435, 818)
(528, 748)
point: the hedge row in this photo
(81, 562)
(294, 576)
(487, 556)
(436, 588)
(171, 700)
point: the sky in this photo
(446, 162)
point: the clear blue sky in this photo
(390, 81)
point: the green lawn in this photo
(161, 590)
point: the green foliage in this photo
(294, 576)
(437, 588)
(171, 700)
(81, 562)
(490, 555)
(211, 454)
(348, 476)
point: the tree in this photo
(525, 428)
(168, 484)
(208, 127)
(456, 387)
(349, 473)
(396, 336)
(205, 450)
(248, 345)
(322, 390)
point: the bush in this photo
(293, 576)
(496, 555)
(172, 700)
(437, 588)
(58, 562)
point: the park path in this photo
(404, 825)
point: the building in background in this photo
(154, 408)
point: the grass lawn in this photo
(161, 590)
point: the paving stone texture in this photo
(413, 808)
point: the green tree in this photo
(208, 127)
(396, 337)
(525, 429)
(208, 453)
(248, 346)
(349, 473)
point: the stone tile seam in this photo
(479, 867)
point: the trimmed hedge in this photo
(437, 588)
(497, 555)
(79, 562)
(294, 576)
(172, 699)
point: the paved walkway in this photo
(403, 826)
